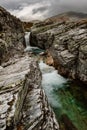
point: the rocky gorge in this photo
(66, 41)
(33, 96)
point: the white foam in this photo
(28, 48)
(45, 68)
(51, 82)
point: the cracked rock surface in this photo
(23, 103)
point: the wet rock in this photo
(49, 59)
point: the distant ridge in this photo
(67, 16)
(71, 14)
(77, 14)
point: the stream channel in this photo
(67, 98)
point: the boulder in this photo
(42, 40)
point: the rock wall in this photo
(11, 35)
(69, 47)
(42, 40)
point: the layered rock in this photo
(20, 84)
(11, 80)
(11, 35)
(69, 47)
(34, 113)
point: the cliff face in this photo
(11, 35)
(68, 47)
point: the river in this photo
(68, 99)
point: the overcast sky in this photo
(39, 9)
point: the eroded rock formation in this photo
(11, 35)
(11, 80)
(32, 111)
(69, 47)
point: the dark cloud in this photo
(40, 9)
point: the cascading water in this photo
(51, 81)
(29, 48)
(65, 97)
(27, 40)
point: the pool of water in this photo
(67, 99)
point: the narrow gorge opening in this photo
(65, 96)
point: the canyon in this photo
(33, 95)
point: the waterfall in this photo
(29, 48)
(27, 35)
(27, 40)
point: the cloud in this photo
(31, 12)
(40, 9)
(74, 5)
